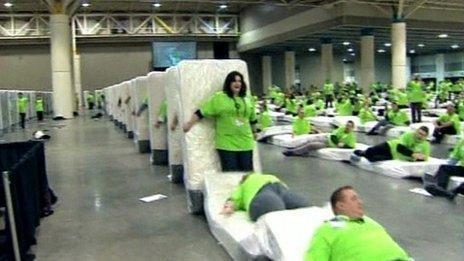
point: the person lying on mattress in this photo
(394, 117)
(258, 194)
(343, 137)
(234, 116)
(301, 125)
(310, 109)
(366, 114)
(263, 118)
(411, 146)
(344, 107)
(351, 235)
(448, 123)
(437, 184)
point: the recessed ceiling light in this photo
(346, 43)
(223, 6)
(455, 46)
(352, 54)
(157, 5)
(421, 45)
(8, 4)
(312, 49)
(442, 35)
(381, 51)
(345, 60)
(412, 51)
(387, 44)
(85, 4)
(350, 50)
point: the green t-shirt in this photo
(279, 100)
(410, 141)
(366, 115)
(245, 192)
(458, 153)
(460, 109)
(163, 111)
(328, 89)
(345, 239)
(415, 92)
(23, 104)
(402, 98)
(290, 105)
(264, 120)
(345, 108)
(444, 118)
(349, 139)
(39, 105)
(310, 110)
(233, 117)
(90, 98)
(397, 118)
(301, 126)
(320, 104)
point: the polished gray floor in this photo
(99, 177)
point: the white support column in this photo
(77, 81)
(289, 64)
(367, 60)
(60, 48)
(440, 67)
(266, 62)
(398, 35)
(326, 60)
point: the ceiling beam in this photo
(414, 8)
(399, 15)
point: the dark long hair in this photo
(231, 78)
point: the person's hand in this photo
(173, 127)
(157, 125)
(228, 209)
(418, 156)
(187, 126)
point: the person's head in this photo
(234, 85)
(327, 81)
(416, 78)
(422, 133)
(349, 126)
(345, 201)
(20, 94)
(301, 113)
(309, 101)
(450, 109)
(394, 106)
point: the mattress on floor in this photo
(236, 233)
(337, 154)
(141, 131)
(171, 89)
(156, 96)
(286, 118)
(401, 169)
(400, 130)
(451, 139)
(286, 235)
(428, 119)
(273, 131)
(276, 116)
(287, 141)
(433, 112)
(321, 121)
(358, 126)
(198, 81)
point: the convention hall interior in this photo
(285, 130)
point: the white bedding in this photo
(400, 130)
(274, 130)
(321, 121)
(358, 126)
(337, 154)
(433, 112)
(171, 89)
(401, 169)
(156, 95)
(287, 141)
(141, 131)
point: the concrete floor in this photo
(99, 177)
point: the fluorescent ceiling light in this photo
(312, 49)
(352, 54)
(346, 43)
(442, 35)
(351, 50)
(387, 44)
(421, 45)
(223, 6)
(381, 51)
(412, 51)
(8, 4)
(85, 4)
(345, 60)
(157, 5)
(455, 46)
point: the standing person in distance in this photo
(39, 107)
(234, 115)
(23, 106)
(416, 97)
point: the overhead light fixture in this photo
(223, 6)
(350, 50)
(157, 5)
(8, 4)
(387, 44)
(346, 43)
(85, 4)
(381, 51)
(455, 46)
(352, 54)
(412, 51)
(421, 45)
(312, 49)
(345, 60)
(442, 35)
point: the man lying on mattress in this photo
(301, 125)
(258, 194)
(352, 236)
(343, 137)
(411, 146)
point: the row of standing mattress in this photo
(9, 115)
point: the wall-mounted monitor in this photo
(167, 54)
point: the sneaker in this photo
(354, 158)
(359, 153)
(439, 192)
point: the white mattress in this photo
(342, 120)
(156, 95)
(199, 80)
(274, 130)
(286, 235)
(430, 112)
(276, 116)
(337, 154)
(171, 89)
(401, 169)
(141, 131)
(286, 118)
(287, 141)
(321, 121)
(400, 130)
(128, 117)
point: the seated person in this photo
(343, 137)
(447, 123)
(411, 146)
(438, 185)
(366, 114)
(290, 104)
(352, 236)
(301, 125)
(263, 118)
(394, 117)
(310, 109)
(344, 107)
(259, 194)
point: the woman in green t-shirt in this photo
(233, 111)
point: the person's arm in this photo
(175, 122)
(349, 142)
(319, 249)
(208, 109)
(234, 202)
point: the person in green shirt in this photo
(264, 119)
(328, 91)
(162, 114)
(416, 97)
(460, 107)
(234, 116)
(310, 109)
(259, 194)
(448, 123)
(90, 100)
(343, 138)
(39, 107)
(366, 114)
(411, 146)
(394, 117)
(344, 107)
(23, 107)
(351, 235)
(290, 104)
(301, 125)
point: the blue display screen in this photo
(167, 54)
